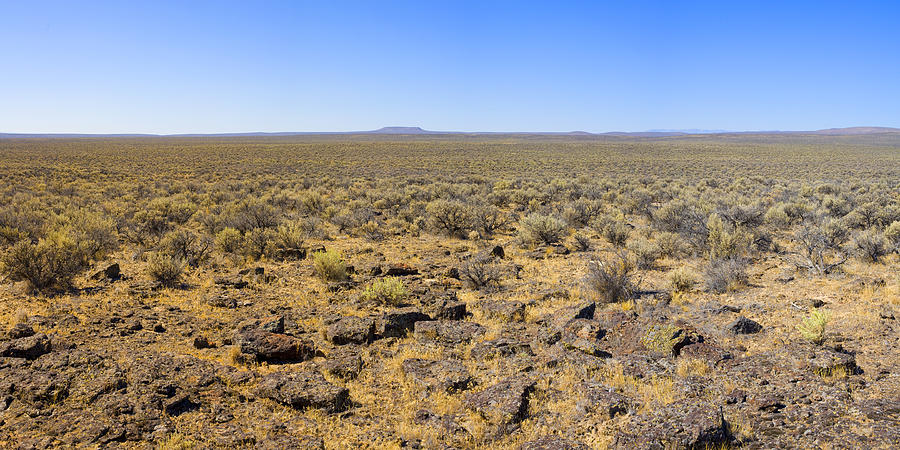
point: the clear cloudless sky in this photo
(221, 66)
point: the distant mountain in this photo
(690, 131)
(658, 133)
(399, 130)
(856, 130)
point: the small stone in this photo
(200, 342)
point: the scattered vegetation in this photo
(387, 291)
(329, 265)
(610, 279)
(813, 327)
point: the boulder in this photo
(344, 363)
(304, 390)
(504, 404)
(398, 322)
(351, 330)
(601, 399)
(274, 347)
(440, 375)
(504, 311)
(399, 270)
(678, 425)
(553, 443)
(29, 347)
(111, 272)
(452, 332)
(499, 348)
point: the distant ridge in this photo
(849, 131)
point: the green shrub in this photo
(870, 245)
(813, 327)
(229, 240)
(725, 241)
(645, 253)
(450, 217)
(610, 279)
(581, 243)
(724, 275)
(682, 280)
(187, 246)
(541, 229)
(164, 268)
(329, 265)
(50, 263)
(616, 232)
(671, 245)
(892, 234)
(259, 242)
(388, 291)
(481, 272)
(488, 219)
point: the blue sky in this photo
(194, 66)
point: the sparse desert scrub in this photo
(722, 275)
(329, 265)
(541, 229)
(610, 278)
(388, 291)
(264, 201)
(481, 272)
(813, 327)
(49, 263)
(682, 280)
(165, 268)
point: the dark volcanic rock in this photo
(20, 330)
(29, 347)
(398, 322)
(445, 375)
(553, 443)
(744, 325)
(602, 399)
(344, 363)
(351, 330)
(451, 332)
(304, 390)
(678, 425)
(499, 348)
(504, 404)
(583, 335)
(274, 347)
(398, 270)
(706, 351)
(504, 311)
(444, 307)
(111, 272)
(825, 362)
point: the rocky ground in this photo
(271, 357)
